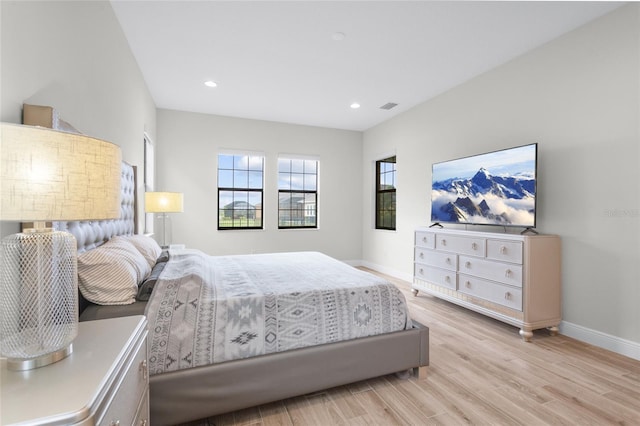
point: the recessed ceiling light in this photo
(355, 105)
(210, 83)
(338, 36)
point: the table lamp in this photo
(47, 175)
(163, 202)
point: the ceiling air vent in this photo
(388, 105)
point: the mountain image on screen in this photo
(485, 199)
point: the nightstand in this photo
(103, 382)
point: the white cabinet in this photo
(103, 382)
(512, 278)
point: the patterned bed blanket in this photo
(209, 309)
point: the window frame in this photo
(241, 189)
(304, 192)
(382, 193)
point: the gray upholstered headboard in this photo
(91, 234)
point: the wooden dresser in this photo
(509, 277)
(103, 382)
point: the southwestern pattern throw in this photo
(208, 309)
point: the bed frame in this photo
(195, 393)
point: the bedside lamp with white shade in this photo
(163, 203)
(47, 175)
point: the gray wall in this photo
(187, 149)
(74, 57)
(578, 97)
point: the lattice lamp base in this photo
(38, 298)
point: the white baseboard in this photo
(601, 340)
(387, 271)
(578, 332)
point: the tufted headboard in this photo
(91, 234)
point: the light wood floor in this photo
(480, 373)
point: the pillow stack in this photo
(111, 273)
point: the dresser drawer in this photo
(436, 276)
(143, 414)
(496, 271)
(123, 408)
(426, 240)
(506, 251)
(497, 293)
(463, 245)
(438, 259)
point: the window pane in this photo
(297, 181)
(255, 199)
(310, 166)
(284, 200)
(297, 166)
(284, 181)
(225, 178)
(241, 162)
(226, 197)
(240, 179)
(240, 197)
(310, 182)
(255, 180)
(255, 163)
(284, 165)
(225, 161)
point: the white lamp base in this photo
(38, 297)
(16, 364)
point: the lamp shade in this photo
(163, 202)
(48, 175)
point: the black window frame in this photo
(298, 193)
(385, 194)
(223, 210)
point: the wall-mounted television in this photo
(494, 188)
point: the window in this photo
(386, 193)
(240, 184)
(297, 193)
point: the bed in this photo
(231, 332)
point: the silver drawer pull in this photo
(507, 273)
(503, 250)
(421, 255)
(143, 368)
(424, 239)
(421, 271)
(467, 284)
(444, 242)
(448, 260)
(447, 279)
(474, 246)
(507, 296)
(114, 423)
(467, 265)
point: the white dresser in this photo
(512, 278)
(103, 382)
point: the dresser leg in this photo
(553, 330)
(526, 334)
(414, 291)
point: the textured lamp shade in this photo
(49, 175)
(46, 175)
(163, 202)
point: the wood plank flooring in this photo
(480, 373)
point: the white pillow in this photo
(147, 246)
(110, 274)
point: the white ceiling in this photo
(278, 61)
